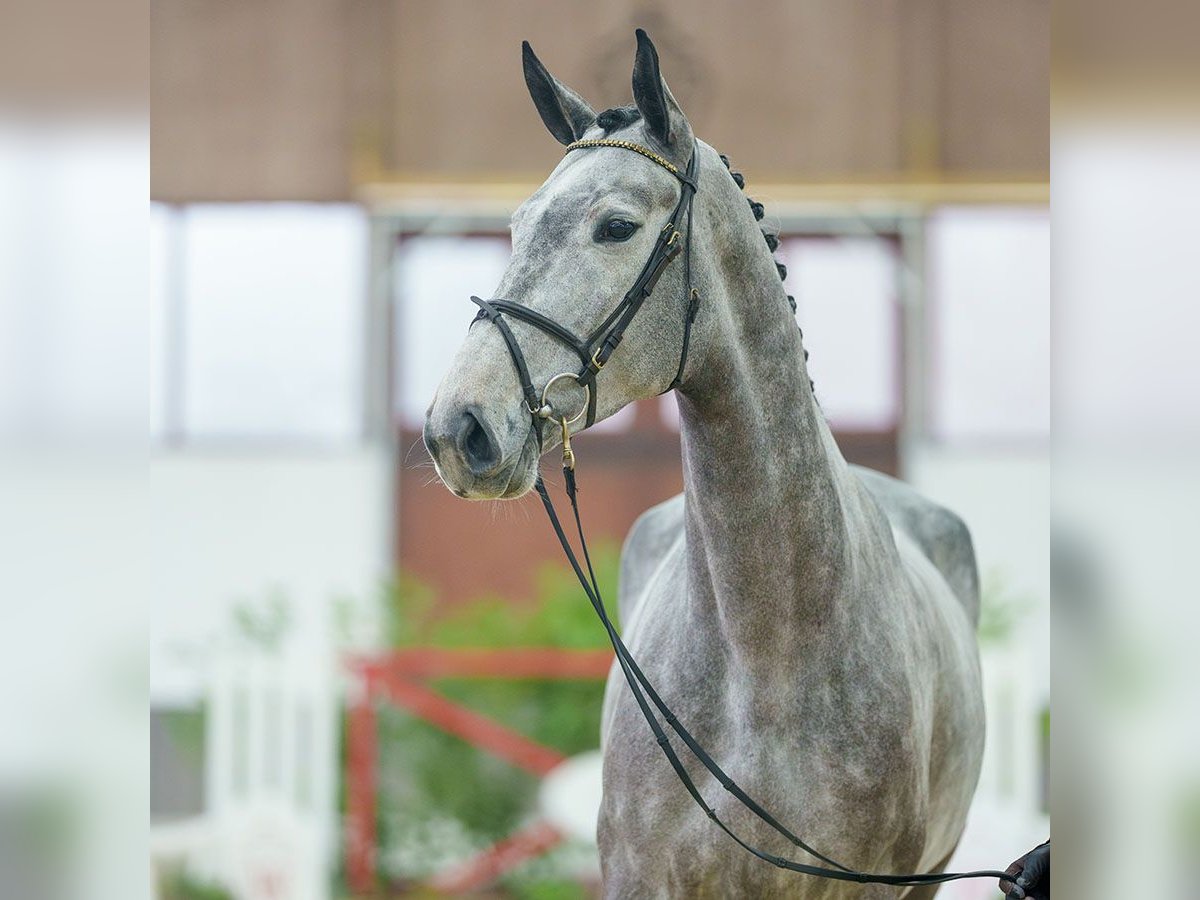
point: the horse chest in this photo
(791, 742)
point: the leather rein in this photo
(594, 351)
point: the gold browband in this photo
(626, 145)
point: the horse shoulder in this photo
(652, 536)
(942, 537)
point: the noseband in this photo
(594, 350)
(593, 353)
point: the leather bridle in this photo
(594, 352)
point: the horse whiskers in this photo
(509, 509)
(419, 442)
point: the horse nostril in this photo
(479, 450)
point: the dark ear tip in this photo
(645, 45)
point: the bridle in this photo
(593, 352)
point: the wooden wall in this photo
(276, 99)
(466, 551)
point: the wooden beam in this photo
(506, 663)
(447, 200)
(472, 727)
(492, 862)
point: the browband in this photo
(688, 179)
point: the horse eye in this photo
(617, 230)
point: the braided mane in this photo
(772, 239)
(623, 116)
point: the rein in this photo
(594, 352)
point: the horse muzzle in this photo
(476, 457)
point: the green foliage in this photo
(1186, 818)
(40, 829)
(185, 727)
(264, 623)
(525, 888)
(178, 884)
(1000, 610)
(440, 796)
(560, 616)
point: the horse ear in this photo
(664, 119)
(565, 113)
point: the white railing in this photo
(269, 827)
(269, 830)
(1012, 763)
(1006, 816)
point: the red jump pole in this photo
(472, 727)
(503, 856)
(507, 663)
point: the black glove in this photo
(1032, 873)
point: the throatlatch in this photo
(593, 353)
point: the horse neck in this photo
(765, 483)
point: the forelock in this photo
(617, 118)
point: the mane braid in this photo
(772, 240)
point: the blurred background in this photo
(363, 686)
(208, 416)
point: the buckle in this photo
(567, 453)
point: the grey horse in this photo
(812, 623)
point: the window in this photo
(72, 283)
(434, 279)
(1127, 283)
(259, 315)
(988, 371)
(846, 296)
